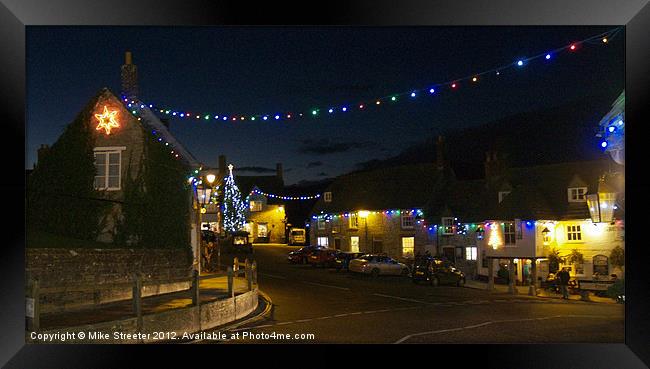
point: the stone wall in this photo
(190, 319)
(72, 267)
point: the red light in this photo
(289, 116)
(234, 118)
(573, 47)
(361, 106)
(453, 85)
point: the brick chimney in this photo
(223, 169)
(129, 76)
(41, 152)
(440, 153)
(278, 171)
(494, 166)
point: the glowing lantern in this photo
(601, 204)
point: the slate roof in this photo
(401, 187)
(538, 192)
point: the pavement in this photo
(210, 290)
(541, 293)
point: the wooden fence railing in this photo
(34, 291)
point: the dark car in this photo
(323, 258)
(343, 259)
(436, 271)
(301, 256)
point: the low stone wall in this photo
(159, 327)
(61, 268)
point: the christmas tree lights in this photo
(234, 209)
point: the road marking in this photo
(405, 338)
(327, 285)
(400, 298)
(272, 276)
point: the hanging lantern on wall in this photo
(601, 204)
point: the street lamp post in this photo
(201, 202)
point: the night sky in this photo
(294, 69)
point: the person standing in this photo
(563, 280)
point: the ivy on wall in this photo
(61, 198)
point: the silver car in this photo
(378, 265)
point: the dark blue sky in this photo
(269, 69)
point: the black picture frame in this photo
(15, 15)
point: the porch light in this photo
(601, 204)
(210, 178)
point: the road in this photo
(340, 307)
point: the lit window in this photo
(262, 230)
(256, 205)
(323, 241)
(321, 223)
(577, 194)
(448, 225)
(502, 195)
(327, 197)
(407, 220)
(354, 244)
(108, 166)
(471, 253)
(354, 221)
(408, 246)
(573, 233)
(509, 233)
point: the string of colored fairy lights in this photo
(281, 197)
(431, 90)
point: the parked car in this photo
(297, 236)
(323, 257)
(301, 256)
(376, 265)
(343, 259)
(436, 271)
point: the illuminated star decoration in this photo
(107, 120)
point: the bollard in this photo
(231, 291)
(249, 278)
(137, 299)
(32, 311)
(195, 288)
(254, 270)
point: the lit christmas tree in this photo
(234, 209)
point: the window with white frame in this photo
(256, 205)
(471, 253)
(108, 163)
(577, 194)
(327, 197)
(321, 223)
(509, 233)
(573, 232)
(448, 225)
(408, 246)
(323, 241)
(353, 221)
(407, 219)
(502, 195)
(354, 244)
